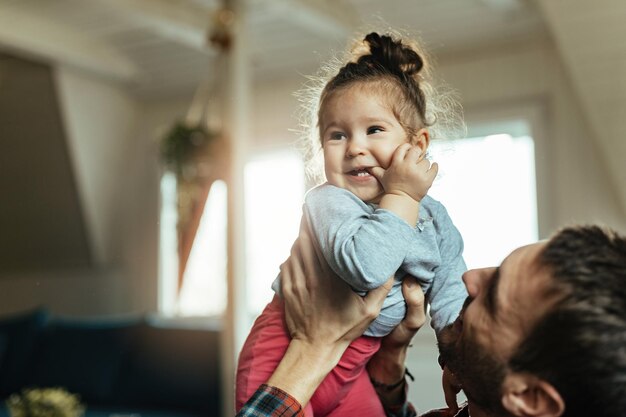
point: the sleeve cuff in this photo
(271, 401)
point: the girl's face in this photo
(358, 131)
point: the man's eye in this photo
(374, 129)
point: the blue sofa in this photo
(122, 367)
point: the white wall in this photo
(532, 76)
(100, 122)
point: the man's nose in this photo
(476, 279)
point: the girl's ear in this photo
(421, 139)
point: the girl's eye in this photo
(374, 129)
(336, 136)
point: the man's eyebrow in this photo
(492, 290)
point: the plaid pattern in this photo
(271, 402)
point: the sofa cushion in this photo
(173, 369)
(82, 356)
(18, 338)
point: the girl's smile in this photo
(359, 131)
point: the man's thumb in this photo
(377, 172)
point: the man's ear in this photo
(421, 139)
(526, 395)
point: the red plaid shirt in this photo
(270, 401)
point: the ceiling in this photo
(158, 48)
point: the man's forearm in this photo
(304, 367)
(387, 370)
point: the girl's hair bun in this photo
(391, 55)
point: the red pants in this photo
(346, 390)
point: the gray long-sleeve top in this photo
(365, 245)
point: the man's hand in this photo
(451, 388)
(401, 336)
(387, 365)
(320, 307)
(323, 315)
(409, 173)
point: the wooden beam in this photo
(235, 96)
(41, 38)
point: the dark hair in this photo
(579, 346)
(397, 69)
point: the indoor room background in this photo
(89, 89)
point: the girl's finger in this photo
(413, 155)
(400, 153)
(432, 172)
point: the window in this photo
(168, 260)
(204, 285)
(488, 187)
(274, 187)
(274, 190)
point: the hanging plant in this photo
(184, 147)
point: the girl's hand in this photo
(409, 173)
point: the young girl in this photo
(372, 218)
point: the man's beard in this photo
(479, 374)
